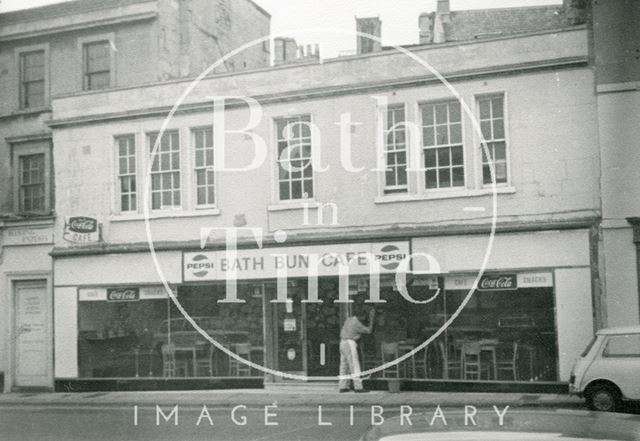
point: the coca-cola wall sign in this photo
(497, 282)
(123, 294)
(81, 229)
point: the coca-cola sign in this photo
(123, 294)
(82, 224)
(497, 282)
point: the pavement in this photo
(295, 397)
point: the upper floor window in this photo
(32, 183)
(395, 150)
(491, 113)
(126, 150)
(32, 176)
(442, 145)
(295, 168)
(96, 65)
(165, 170)
(32, 79)
(205, 189)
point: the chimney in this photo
(425, 24)
(286, 50)
(441, 22)
(575, 11)
(371, 26)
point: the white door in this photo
(31, 335)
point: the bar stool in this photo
(168, 360)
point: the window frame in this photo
(389, 190)
(276, 159)
(181, 176)
(118, 175)
(193, 167)
(19, 53)
(478, 141)
(605, 348)
(28, 148)
(94, 39)
(422, 189)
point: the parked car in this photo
(608, 370)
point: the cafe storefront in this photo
(525, 321)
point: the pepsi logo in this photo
(390, 257)
(200, 265)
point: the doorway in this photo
(31, 335)
(305, 337)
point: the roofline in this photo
(59, 5)
(382, 53)
(260, 8)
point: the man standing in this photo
(351, 331)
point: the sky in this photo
(399, 17)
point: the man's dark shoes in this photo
(344, 390)
(361, 391)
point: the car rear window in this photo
(625, 345)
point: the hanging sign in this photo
(81, 229)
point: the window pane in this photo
(432, 179)
(430, 158)
(428, 136)
(443, 157)
(442, 136)
(498, 129)
(456, 134)
(456, 156)
(445, 177)
(485, 109)
(497, 107)
(441, 113)
(458, 176)
(485, 126)
(454, 112)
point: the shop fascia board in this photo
(401, 233)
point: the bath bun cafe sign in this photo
(266, 262)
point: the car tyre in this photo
(603, 398)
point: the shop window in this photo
(499, 335)
(395, 150)
(204, 174)
(96, 65)
(139, 335)
(126, 154)
(32, 79)
(492, 124)
(442, 145)
(165, 170)
(295, 167)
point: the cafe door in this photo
(305, 337)
(31, 359)
(288, 336)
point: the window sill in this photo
(453, 194)
(293, 205)
(126, 217)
